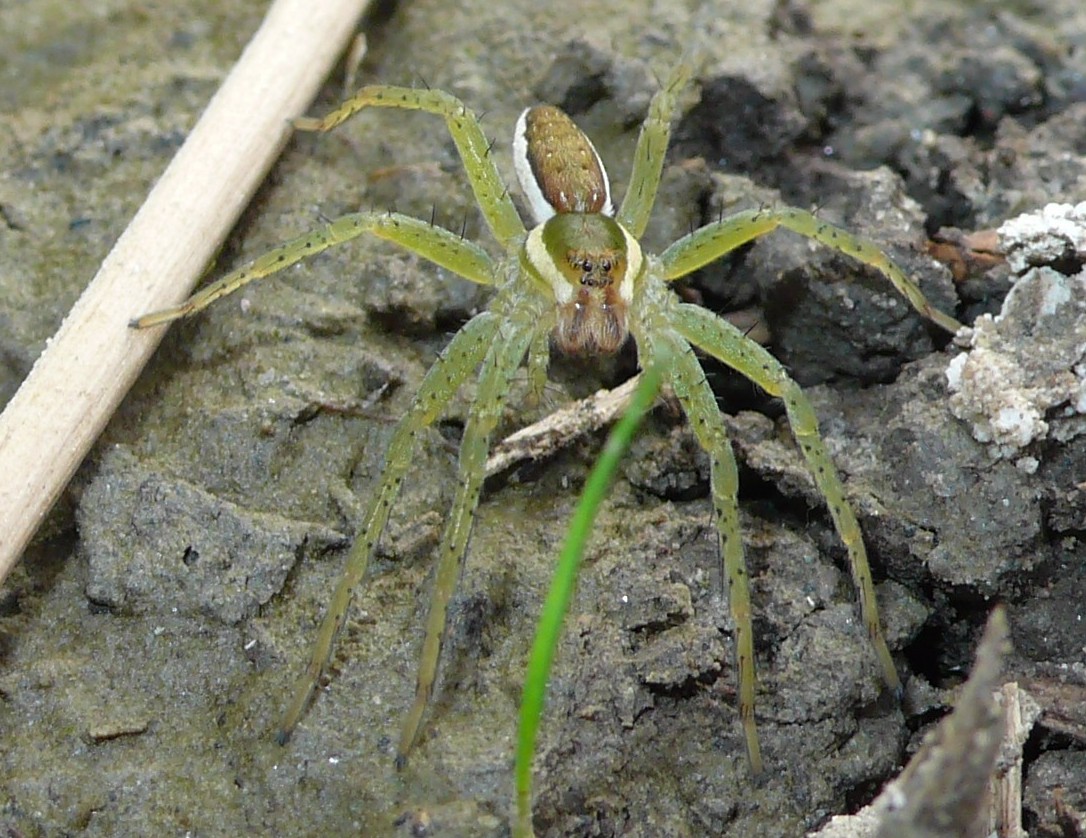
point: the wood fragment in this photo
(92, 360)
(966, 778)
(560, 428)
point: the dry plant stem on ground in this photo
(558, 429)
(93, 359)
(966, 779)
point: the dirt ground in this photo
(149, 637)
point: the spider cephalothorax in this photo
(578, 275)
(590, 264)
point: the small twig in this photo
(94, 358)
(557, 430)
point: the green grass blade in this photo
(549, 627)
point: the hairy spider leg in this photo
(436, 244)
(461, 357)
(731, 347)
(723, 341)
(490, 191)
(712, 241)
(539, 360)
(688, 382)
(495, 378)
(456, 362)
(651, 150)
(459, 360)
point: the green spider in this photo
(578, 278)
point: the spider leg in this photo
(687, 379)
(495, 377)
(438, 245)
(714, 240)
(727, 344)
(539, 359)
(455, 363)
(651, 149)
(490, 191)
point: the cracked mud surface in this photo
(151, 633)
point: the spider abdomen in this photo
(558, 167)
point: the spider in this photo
(579, 278)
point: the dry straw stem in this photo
(94, 358)
(560, 428)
